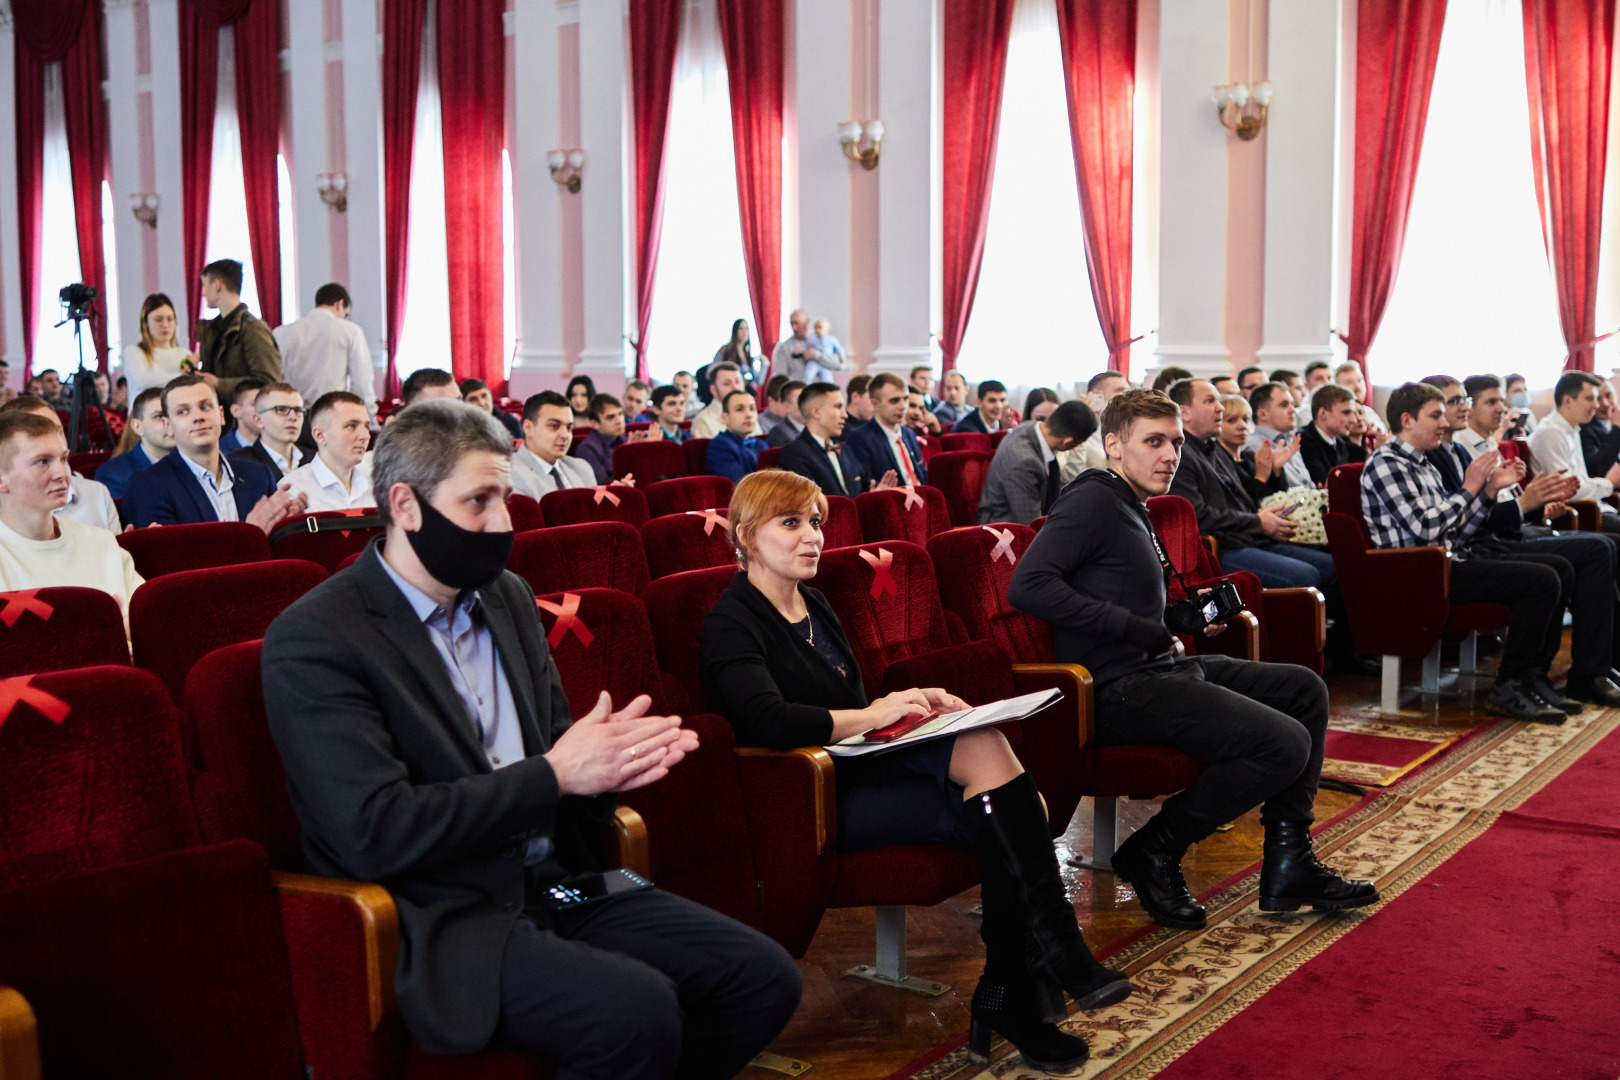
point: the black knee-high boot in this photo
(1008, 825)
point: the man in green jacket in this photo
(236, 345)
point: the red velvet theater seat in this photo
(928, 446)
(965, 440)
(676, 605)
(172, 548)
(911, 514)
(176, 620)
(687, 493)
(769, 458)
(86, 464)
(596, 555)
(325, 549)
(960, 475)
(525, 513)
(842, 525)
(695, 540)
(51, 629)
(648, 460)
(996, 437)
(697, 456)
(576, 506)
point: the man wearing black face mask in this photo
(428, 746)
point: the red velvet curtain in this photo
(1397, 45)
(751, 31)
(66, 32)
(1099, 69)
(654, 31)
(1568, 48)
(975, 34)
(255, 48)
(403, 22)
(472, 95)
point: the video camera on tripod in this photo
(78, 304)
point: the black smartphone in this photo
(584, 889)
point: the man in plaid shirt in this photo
(1406, 505)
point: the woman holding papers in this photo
(777, 664)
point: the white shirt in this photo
(217, 491)
(837, 467)
(90, 503)
(531, 475)
(81, 555)
(325, 490)
(321, 353)
(1555, 445)
(143, 374)
(284, 464)
(904, 470)
(1473, 442)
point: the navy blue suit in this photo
(973, 421)
(1505, 518)
(118, 471)
(872, 443)
(733, 456)
(806, 457)
(169, 494)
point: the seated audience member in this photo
(734, 453)
(1101, 388)
(1042, 399)
(822, 340)
(542, 465)
(740, 351)
(777, 665)
(922, 380)
(580, 392)
(686, 383)
(775, 407)
(724, 379)
(953, 392)
(147, 438)
(39, 548)
(281, 412)
(476, 392)
(1600, 440)
(858, 401)
(817, 453)
(668, 413)
(1024, 477)
(52, 391)
(791, 423)
(988, 416)
(607, 432)
(1325, 444)
(340, 476)
(1261, 473)
(1095, 573)
(887, 443)
(1248, 379)
(88, 501)
(427, 384)
(1318, 373)
(794, 352)
(198, 483)
(1169, 375)
(1487, 416)
(1225, 386)
(1349, 376)
(1585, 562)
(428, 745)
(1517, 392)
(118, 400)
(1273, 411)
(246, 424)
(636, 396)
(918, 418)
(1555, 445)
(1295, 385)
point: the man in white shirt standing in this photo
(1556, 443)
(340, 476)
(542, 465)
(324, 351)
(88, 502)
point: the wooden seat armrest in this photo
(631, 831)
(1246, 623)
(808, 769)
(1075, 682)
(378, 919)
(19, 1038)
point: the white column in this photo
(10, 251)
(1302, 60)
(604, 92)
(821, 91)
(362, 127)
(163, 21)
(311, 217)
(1192, 188)
(124, 151)
(908, 185)
(539, 228)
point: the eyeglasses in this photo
(1460, 399)
(284, 411)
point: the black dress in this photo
(778, 691)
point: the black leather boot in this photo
(1008, 825)
(1292, 875)
(1151, 861)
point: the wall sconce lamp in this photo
(333, 189)
(144, 205)
(566, 168)
(1241, 110)
(856, 148)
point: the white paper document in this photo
(997, 712)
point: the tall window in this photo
(701, 287)
(109, 257)
(1033, 321)
(288, 230)
(424, 339)
(227, 193)
(54, 347)
(1474, 293)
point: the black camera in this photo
(1192, 615)
(76, 299)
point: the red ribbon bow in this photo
(882, 581)
(711, 518)
(603, 493)
(568, 619)
(913, 500)
(1004, 539)
(16, 690)
(20, 603)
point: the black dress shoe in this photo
(1292, 876)
(1598, 690)
(1516, 701)
(1549, 694)
(1151, 861)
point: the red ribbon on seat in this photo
(568, 619)
(352, 512)
(16, 690)
(711, 518)
(603, 493)
(882, 580)
(913, 500)
(1004, 539)
(21, 602)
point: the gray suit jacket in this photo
(531, 476)
(391, 784)
(1016, 483)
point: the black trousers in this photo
(645, 985)
(1587, 590)
(1530, 585)
(1258, 729)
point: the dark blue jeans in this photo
(1284, 566)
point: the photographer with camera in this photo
(1097, 572)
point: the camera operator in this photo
(1097, 573)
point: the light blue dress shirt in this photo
(218, 491)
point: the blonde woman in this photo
(158, 356)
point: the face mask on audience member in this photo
(1519, 399)
(461, 558)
